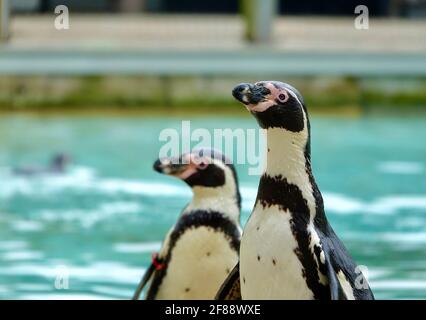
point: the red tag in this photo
(155, 261)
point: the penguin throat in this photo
(220, 199)
(201, 192)
(286, 154)
(287, 159)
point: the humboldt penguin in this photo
(288, 248)
(202, 247)
(58, 165)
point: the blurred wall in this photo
(407, 8)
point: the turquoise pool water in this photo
(97, 224)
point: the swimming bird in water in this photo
(57, 165)
(288, 248)
(202, 247)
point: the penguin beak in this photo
(250, 94)
(158, 166)
(174, 168)
(167, 166)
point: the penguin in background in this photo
(202, 247)
(57, 165)
(288, 248)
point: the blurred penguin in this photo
(202, 247)
(58, 165)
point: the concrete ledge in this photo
(255, 62)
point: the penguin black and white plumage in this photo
(202, 247)
(288, 248)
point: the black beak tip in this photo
(238, 91)
(158, 166)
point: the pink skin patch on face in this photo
(195, 163)
(189, 171)
(276, 96)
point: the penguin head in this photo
(278, 106)
(274, 104)
(60, 161)
(204, 169)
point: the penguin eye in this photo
(282, 97)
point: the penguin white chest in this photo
(200, 261)
(269, 267)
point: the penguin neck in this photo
(288, 159)
(286, 155)
(222, 199)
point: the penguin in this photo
(288, 248)
(202, 247)
(58, 165)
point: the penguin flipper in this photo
(231, 289)
(336, 290)
(146, 277)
